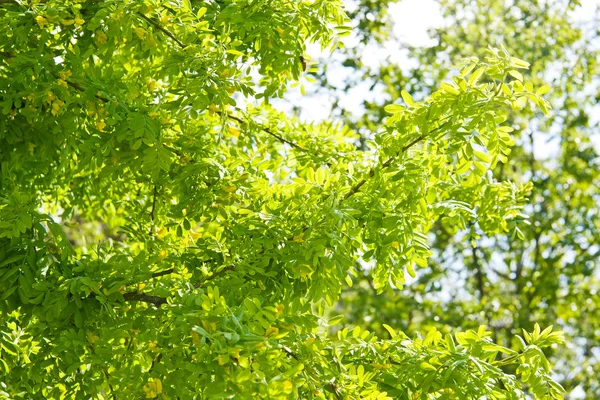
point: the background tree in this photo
(162, 238)
(548, 270)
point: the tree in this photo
(162, 238)
(508, 283)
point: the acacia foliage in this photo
(550, 275)
(161, 238)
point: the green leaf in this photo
(201, 12)
(476, 75)
(394, 108)
(543, 90)
(516, 74)
(481, 156)
(407, 98)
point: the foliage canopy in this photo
(160, 237)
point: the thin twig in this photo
(335, 391)
(331, 385)
(154, 193)
(233, 117)
(163, 273)
(386, 164)
(290, 353)
(155, 362)
(77, 87)
(110, 386)
(265, 129)
(478, 272)
(215, 275)
(502, 274)
(163, 30)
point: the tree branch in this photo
(110, 386)
(239, 120)
(478, 272)
(146, 298)
(265, 129)
(386, 164)
(156, 25)
(155, 362)
(77, 87)
(290, 353)
(333, 388)
(356, 188)
(154, 193)
(163, 273)
(502, 274)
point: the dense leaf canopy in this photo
(549, 276)
(166, 233)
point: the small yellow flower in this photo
(195, 338)
(56, 106)
(153, 388)
(140, 32)
(287, 386)
(222, 359)
(79, 21)
(298, 238)
(236, 352)
(272, 331)
(151, 85)
(91, 338)
(62, 82)
(280, 308)
(100, 125)
(41, 21)
(235, 132)
(65, 74)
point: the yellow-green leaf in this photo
(407, 98)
